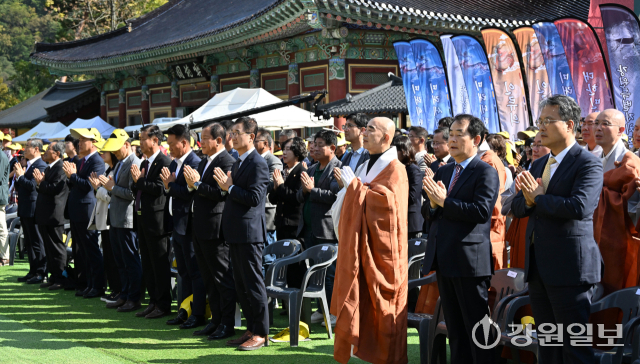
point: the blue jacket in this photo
(459, 244)
(81, 197)
(27, 193)
(182, 197)
(243, 218)
(561, 221)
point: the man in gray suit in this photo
(316, 198)
(124, 240)
(264, 146)
(4, 200)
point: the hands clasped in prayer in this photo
(530, 187)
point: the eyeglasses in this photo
(436, 144)
(545, 122)
(236, 133)
(347, 126)
(604, 124)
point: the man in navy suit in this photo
(462, 197)
(81, 203)
(175, 186)
(559, 195)
(245, 229)
(27, 196)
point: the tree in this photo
(7, 99)
(29, 80)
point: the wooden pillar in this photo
(337, 85)
(122, 110)
(175, 98)
(103, 106)
(294, 80)
(144, 106)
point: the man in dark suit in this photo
(228, 144)
(149, 207)
(559, 195)
(264, 144)
(354, 128)
(316, 198)
(462, 197)
(52, 198)
(27, 195)
(440, 149)
(212, 252)
(245, 229)
(175, 186)
(81, 203)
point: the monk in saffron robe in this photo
(370, 289)
(612, 225)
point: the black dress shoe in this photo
(180, 319)
(55, 287)
(146, 311)
(129, 306)
(25, 278)
(158, 313)
(193, 322)
(82, 291)
(94, 293)
(222, 332)
(37, 279)
(47, 284)
(208, 330)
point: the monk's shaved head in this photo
(608, 129)
(613, 116)
(379, 134)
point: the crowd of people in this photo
(368, 190)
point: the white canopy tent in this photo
(242, 99)
(42, 131)
(103, 127)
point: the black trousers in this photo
(215, 267)
(110, 267)
(35, 247)
(56, 251)
(191, 283)
(465, 303)
(156, 269)
(559, 305)
(124, 243)
(87, 247)
(246, 259)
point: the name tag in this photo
(286, 243)
(512, 274)
(418, 242)
(638, 292)
(325, 248)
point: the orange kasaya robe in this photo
(517, 238)
(429, 293)
(370, 288)
(498, 222)
(613, 228)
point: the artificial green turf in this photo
(42, 326)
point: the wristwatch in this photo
(196, 185)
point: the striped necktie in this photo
(455, 178)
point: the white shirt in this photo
(597, 150)
(54, 162)
(242, 157)
(209, 160)
(179, 163)
(559, 159)
(152, 158)
(265, 154)
(88, 156)
(29, 164)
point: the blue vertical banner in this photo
(412, 88)
(560, 80)
(457, 88)
(622, 32)
(433, 82)
(477, 77)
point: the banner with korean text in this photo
(457, 88)
(477, 78)
(411, 82)
(433, 82)
(586, 62)
(622, 32)
(507, 80)
(555, 60)
(534, 68)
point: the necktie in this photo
(144, 165)
(455, 178)
(81, 164)
(546, 175)
(117, 170)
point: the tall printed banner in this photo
(412, 88)
(457, 88)
(555, 60)
(477, 77)
(586, 63)
(433, 82)
(622, 32)
(507, 79)
(534, 67)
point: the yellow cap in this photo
(44, 148)
(15, 146)
(92, 133)
(135, 143)
(100, 144)
(625, 137)
(278, 152)
(509, 156)
(341, 140)
(6, 137)
(519, 142)
(115, 141)
(526, 134)
(504, 134)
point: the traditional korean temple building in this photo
(172, 60)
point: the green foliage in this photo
(7, 99)
(30, 80)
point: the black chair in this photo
(281, 249)
(416, 250)
(508, 317)
(321, 256)
(13, 237)
(507, 283)
(426, 324)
